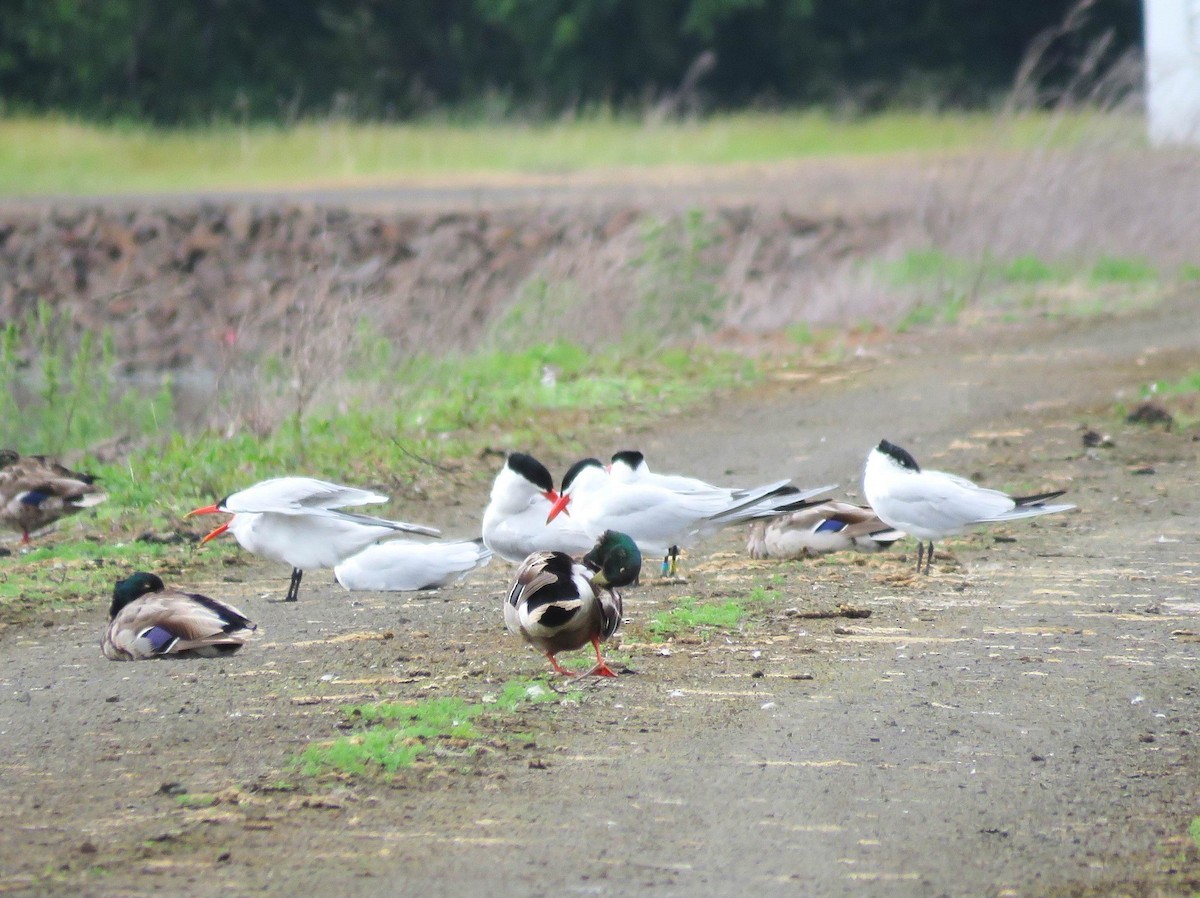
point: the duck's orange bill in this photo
(215, 533)
(560, 505)
(207, 509)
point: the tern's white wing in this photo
(931, 504)
(298, 495)
(403, 565)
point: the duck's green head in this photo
(615, 558)
(133, 588)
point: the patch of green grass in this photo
(390, 736)
(51, 395)
(1186, 385)
(800, 333)
(58, 155)
(196, 800)
(1194, 831)
(385, 749)
(923, 314)
(1117, 270)
(704, 617)
(75, 571)
(1030, 270)
(693, 615)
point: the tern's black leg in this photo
(929, 557)
(294, 587)
(920, 554)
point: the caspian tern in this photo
(933, 504)
(298, 521)
(514, 523)
(147, 620)
(558, 604)
(401, 565)
(36, 491)
(828, 527)
(661, 520)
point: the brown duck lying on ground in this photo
(828, 527)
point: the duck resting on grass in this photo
(829, 527)
(147, 620)
(36, 491)
(298, 521)
(558, 604)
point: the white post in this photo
(1173, 70)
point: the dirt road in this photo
(1022, 722)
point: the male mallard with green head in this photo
(559, 604)
(147, 620)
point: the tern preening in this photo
(298, 521)
(932, 504)
(558, 604)
(36, 491)
(663, 520)
(147, 620)
(514, 523)
(402, 565)
(830, 526)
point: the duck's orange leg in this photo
(601, 669)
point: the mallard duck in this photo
(298, 521)
(514, 522)
(402, 565)
(36, 491)
(559, 604)
(660, 519)
(933, 504)
(829, 527)
(147, 620)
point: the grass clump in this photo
(949, 287)
(391, 736)
(693, 615)
(395, 735)
(704, 618)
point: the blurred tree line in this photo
(179, 61)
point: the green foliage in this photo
(263, 60)
(57, 395)
(1194, 831)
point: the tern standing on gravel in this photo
(933, 504)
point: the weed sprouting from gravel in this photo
(390, 736)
